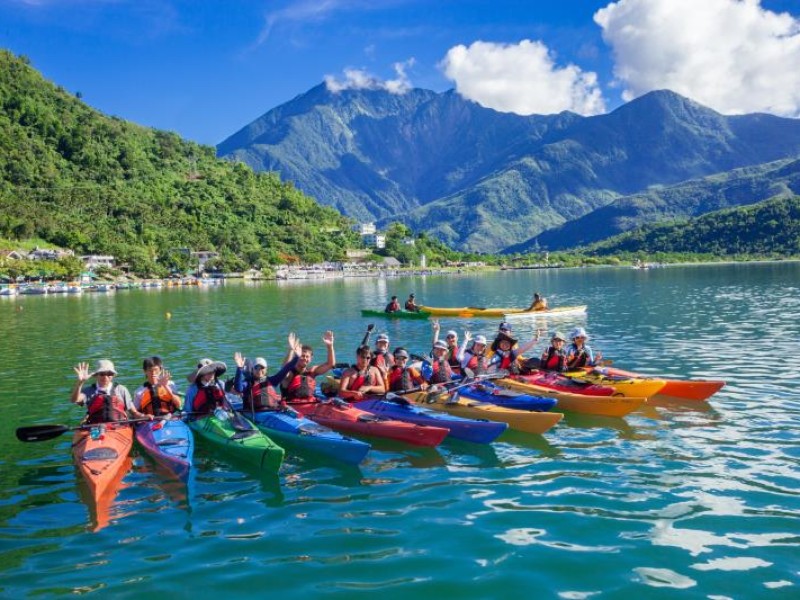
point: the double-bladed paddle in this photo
(40, 433)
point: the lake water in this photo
(703, 501)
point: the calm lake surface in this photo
(700, 501)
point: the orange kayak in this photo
(676, 389)
(101, 456)
(607, 406)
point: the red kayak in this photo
(341, 416)
(555, 381)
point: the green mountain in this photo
(483, 180)
(96, 184)
(768, 228)
(739, 187)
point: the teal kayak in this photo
(398, 314)
(237, 436)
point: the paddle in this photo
(40, 433)
(487, 376)
(365, 341)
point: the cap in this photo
(480, 339)
(400, 352)
(505, 326)
(451, 333)
(559, 336)
(260, 362)
(382, 337)
(441, 344)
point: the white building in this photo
(365, 228)
(92, 261)
(375, 240)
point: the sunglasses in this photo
(367, 356)
(106, 374)
(259, 367)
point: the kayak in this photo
(338, 414)
(521, 420)
(479, 431)
(486, 391)
(239, 438)
(398, 314)
(623, 385)
(674, 389)
(473, 311)
(608, 406)
(558, 382)
(558, 311)
(307, 435)
(100, 452)
(170, 442)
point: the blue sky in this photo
(207, 68)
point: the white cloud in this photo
(521, 78)
(731, 55)
(359, 79)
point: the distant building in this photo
(49, 254)
(357, 254)
(13, 254)
(375, 240)
(202, 257)
(409, 242)
(93, 261)
(391, 261)
(364, 228)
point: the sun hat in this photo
(441, 344)
(505, 326)
(504, 336)
(103, 366)
(206, 366)
(558, 336)
(401, 352)
(578, 332)
(479, 339)
(260, 361)
(382, 337)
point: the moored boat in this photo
(170, 442)
(239, 438)
(479, 431)
(342, 416)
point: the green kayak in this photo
(237, 436)
(398, 314)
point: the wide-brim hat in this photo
(103, 366)
(579, 332)
(504, 336)
(206, 366)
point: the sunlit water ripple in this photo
(703, 499)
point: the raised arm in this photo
(435, 326)
(82, 373)
(327, 339)
(525, 347)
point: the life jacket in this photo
(580, 359)
(553, 360)
(300, 387)
(207, 399)
(441, 372)
(356, 383)
(411, 306)
(382, 360)
(156, 400)
(105, 408)
(401, 378)
(261, 396)
(452, 354)
(392, 307)
(477, 363)
(506, 359)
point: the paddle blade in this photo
(40, 433)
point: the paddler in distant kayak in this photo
(393, 306)
(256, 389)
(106, 401)
(579, 354)
(362, 379)
(411, 304)
(206, 392)
(539, 302)
(157, 395)
(299, 384)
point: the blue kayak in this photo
(292, 428)
(396, 407)
(485, 391)
(170, 443)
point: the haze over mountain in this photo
(484, 180)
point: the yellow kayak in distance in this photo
(474, 311)
(521, 420)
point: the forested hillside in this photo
(96, 184)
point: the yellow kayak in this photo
(627, 386)
(521, 420)
(607, 406)
(473, 311)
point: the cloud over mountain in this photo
(360, 79)
(731, 55)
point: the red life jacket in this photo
(442, 373)
(300, 387)
(553, 360)
(506, 359)
(207, 399)
(261, 396)
(156, 400)
(382, 360)
(105, 408)
(356, 383)
(452, 353)
(401, 379)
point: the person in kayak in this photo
(403, 377)
(299, 384)
(451, 338)
(106, 401)
(411, 304)
(256, 389)
(157, 395)
(555, 357)
(393, 305)
(579, 354)
(503, 332)
(473, 356)
(362, 379)
(440, 370)
(506, 352)
(206, 392)
(539, 302)
(381, 357)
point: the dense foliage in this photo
(96, 184)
